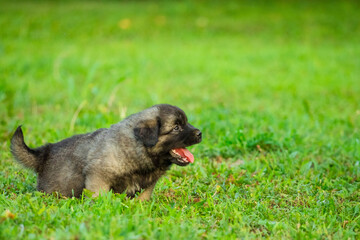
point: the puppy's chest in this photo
(133, 183)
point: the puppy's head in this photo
(166, 133)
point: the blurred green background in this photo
(273, 85)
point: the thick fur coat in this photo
(130, 156)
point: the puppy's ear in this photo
(148, 132)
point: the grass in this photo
(273, 86)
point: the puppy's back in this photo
(59, 165)
(63, 169)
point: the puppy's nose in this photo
(198, 134)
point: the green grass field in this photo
(274, 86)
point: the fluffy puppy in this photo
(130, 156)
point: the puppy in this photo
(130, 156)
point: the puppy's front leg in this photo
(96, 184)
(146, 194)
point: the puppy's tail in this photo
(28, 157)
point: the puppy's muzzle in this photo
(198, 135)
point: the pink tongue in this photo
(185, 154)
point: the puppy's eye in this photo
(176, 128)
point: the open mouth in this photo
(182, 156)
